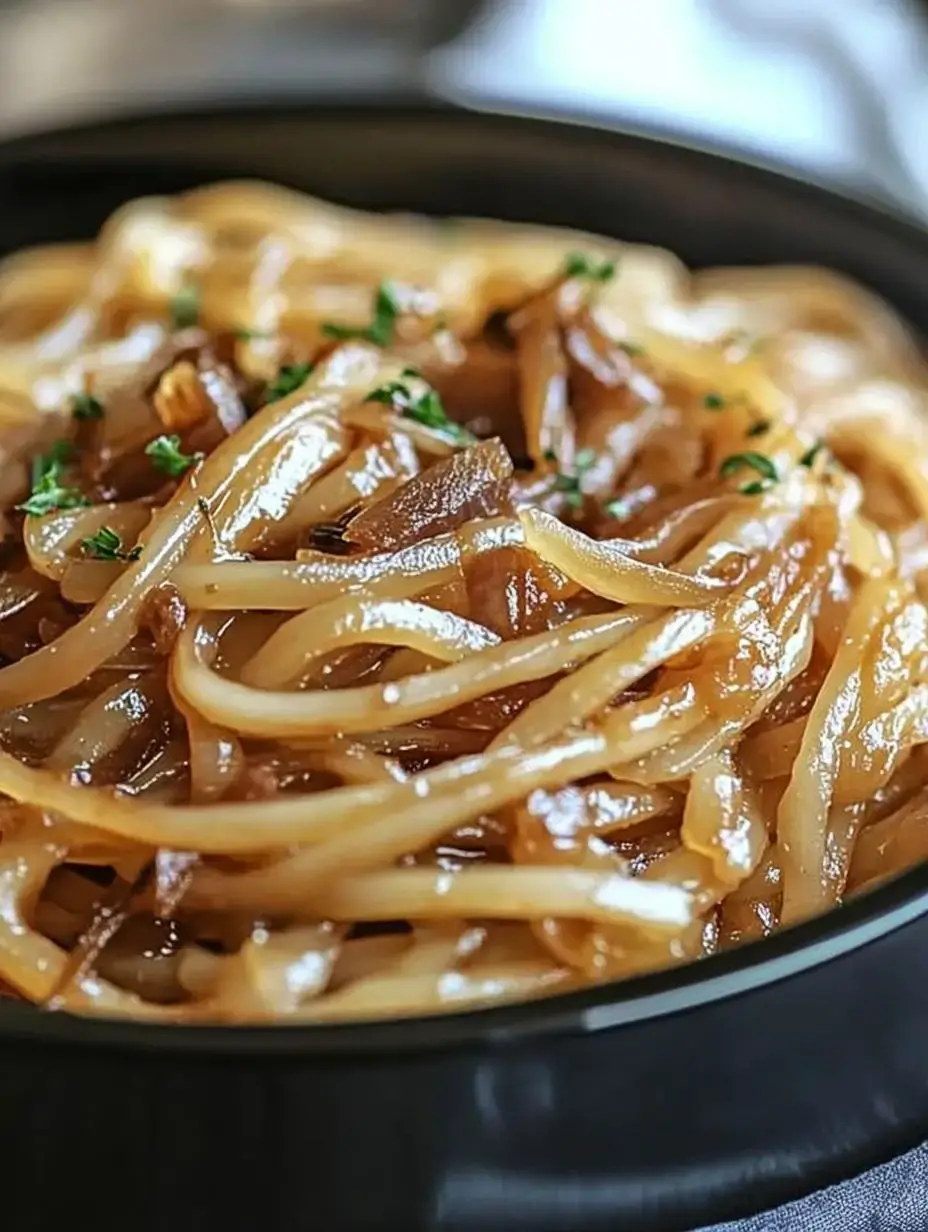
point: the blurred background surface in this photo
(834, 88)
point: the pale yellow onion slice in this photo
(426, 804)
(457, 792)
(604, 568)
(261, 712)
(722, 820)
(353, 621)
(803, 811)
(509, 892)
(316, 578)
(592, 686)
(396, 995)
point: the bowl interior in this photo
(707, 209)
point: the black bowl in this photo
(666, 1102)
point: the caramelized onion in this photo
(594, 641)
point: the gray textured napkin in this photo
(893, 1198)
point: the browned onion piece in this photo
(471, 484)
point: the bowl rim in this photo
(789, 952)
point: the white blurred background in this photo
(836, 88)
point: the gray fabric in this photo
(893, 1198)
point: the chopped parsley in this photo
(185, 307)
(758, 462)
(48, 492)
(569, 484)
(579, 265)
(107, 545)
(46, 464)
(166, 455)
(759, 429)
(86, 406)
(616, 508)
(289, 377)
(808, 458)
(244, 334)
(425, 409)
(713, 402)
(386, 309)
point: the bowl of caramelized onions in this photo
(463, 675)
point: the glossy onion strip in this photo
(289, 652)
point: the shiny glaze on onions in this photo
(408, 616)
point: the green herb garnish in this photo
(569, 484)
(107, 545)
(808, 458)
(166, 455)
(394, 393)
(755, 461)
(579, 265)
(713, 402)
(380, 331)
(48, 492)
(632, 349)
(86, 406)
(616, 508)
(289, 377)
(759, 429)
(185, 306)
(45, 465)
(426, 409)
(244, 334)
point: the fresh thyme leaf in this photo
(755, 461)
(244, 334)
(331, 329)
(386, 309)
(185, 306)
(166, 455)
(760, 428)
(429, 411)
(289, 377)
(579, 265)
(550, 455)
(48, 497)
(394, 393)
(570, 484)
(107, 545)
(49, 464)
(632, 348)
(713, 402)
(754, 488)
(48, 492)
(86, 406)
(426, 409)
(616, 508)
(808, 458)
